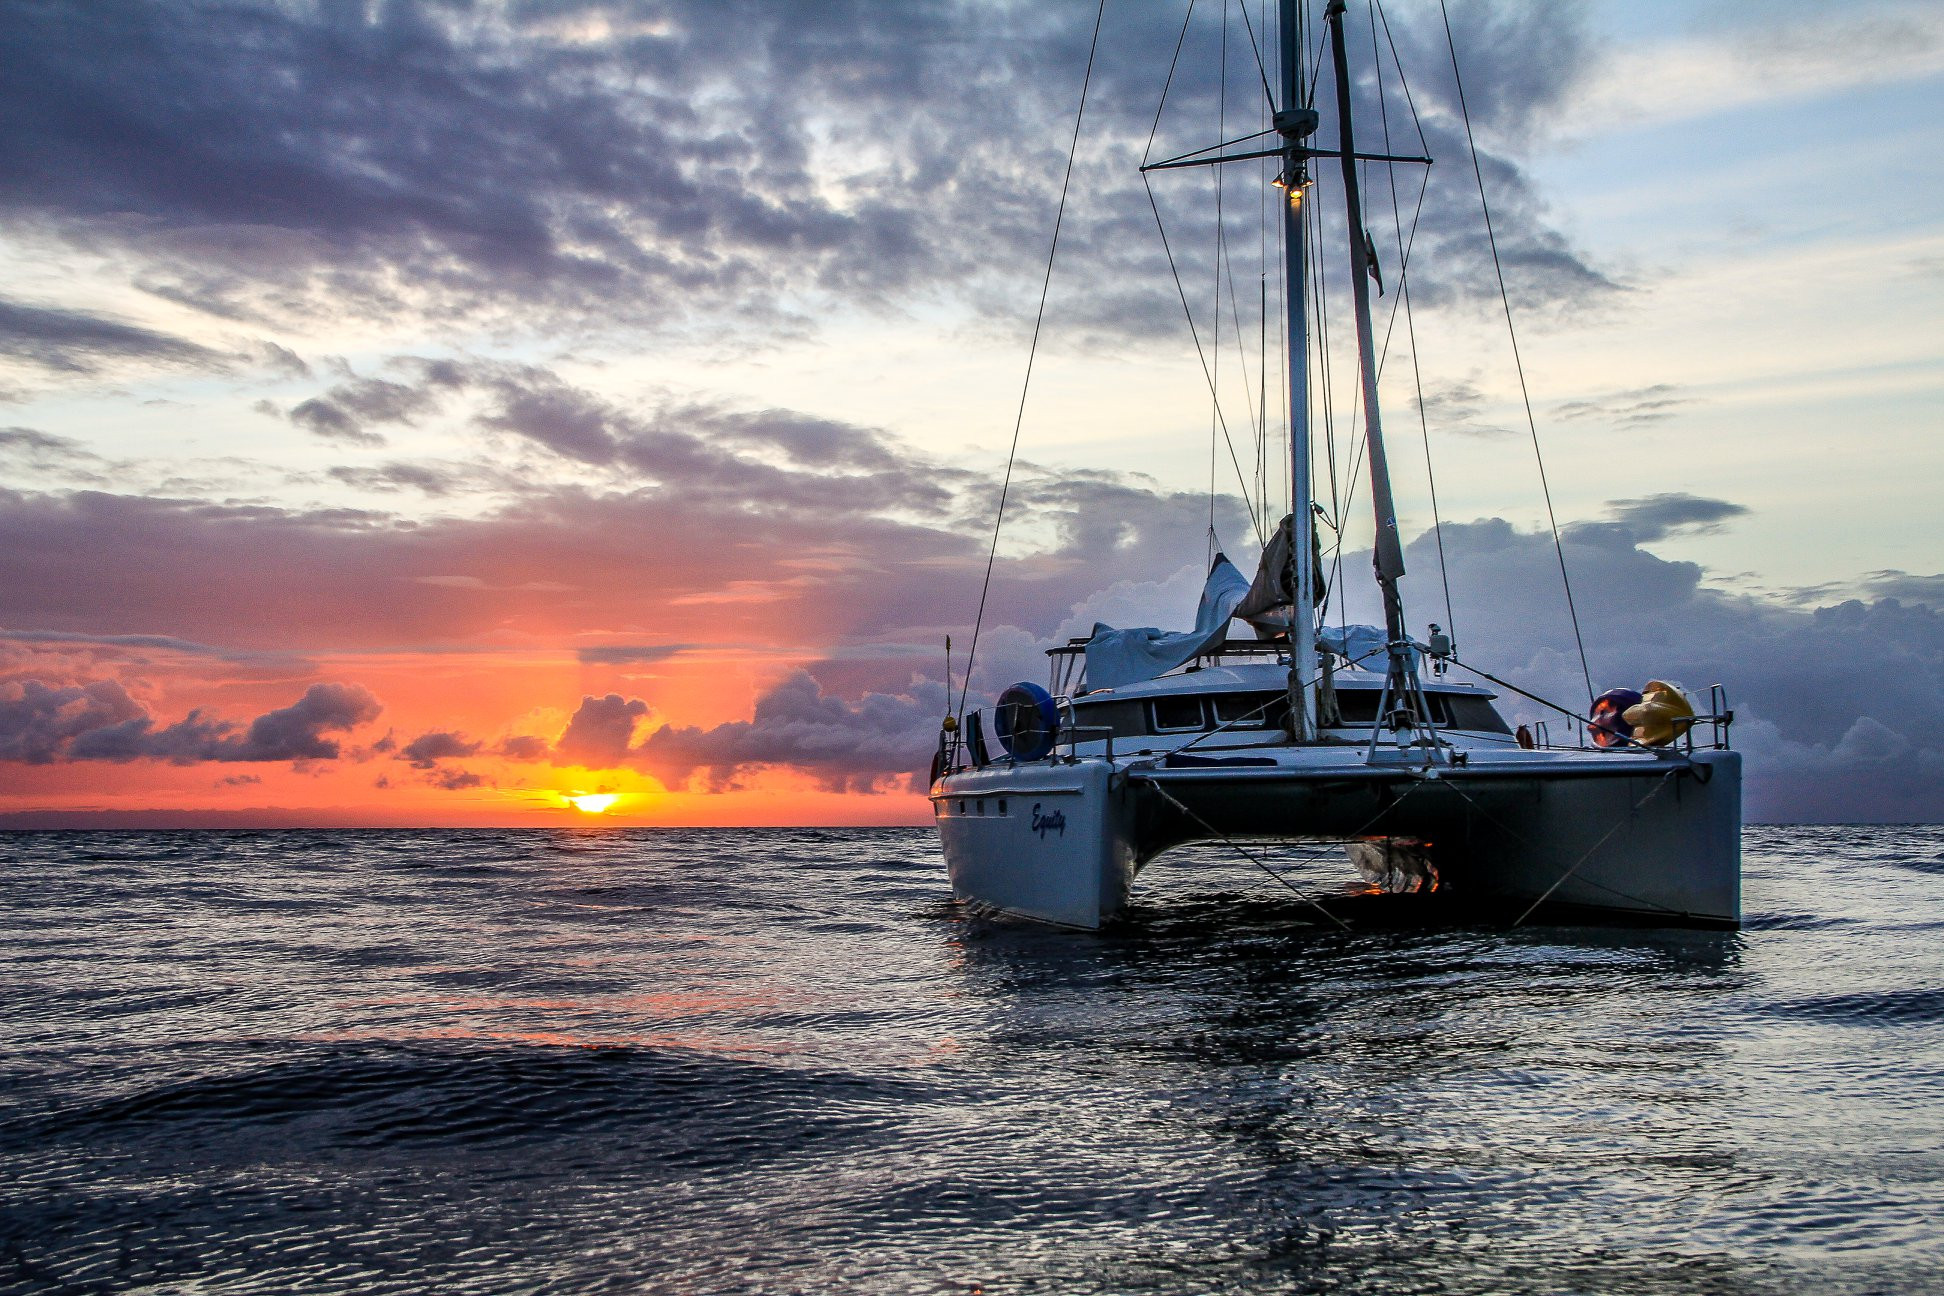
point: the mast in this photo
(1294, 123)
(1389, 552)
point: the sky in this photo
(427, 413)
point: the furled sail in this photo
(1270, 597)
(1116, 657)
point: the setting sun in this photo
(593, 802)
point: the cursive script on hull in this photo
(1046, 823)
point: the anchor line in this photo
(1236, 846)
(1354, 835)
(1457, 786)
(1617, 826)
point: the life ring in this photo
(1608, 723)
(1027, 720)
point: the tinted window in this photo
(1448, 710)
(1126, 719)
(1250, 710)
(1357, 706)
(1476, 713)
(1176, 713)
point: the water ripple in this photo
(676, 1061)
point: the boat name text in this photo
(1044, 824)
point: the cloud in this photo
(1655, 517)
(601, 731)
(37, 720)
(701, 164)
(98, 720)
(31, 450)
(336, 153)
(433, 479)
(1801, 681)
(69, 341)
(630, 654)
(524, 747)
(455, 780)
(861, 746)
(428, 749)
(1638, 407)
(348, 410)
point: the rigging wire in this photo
(1194, 331)
(1410, 318)
(1221, 248)
(1505, 299)
(1039, 319)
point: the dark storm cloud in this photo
(75, 342)
(98, 720)
(683, 161)
(269, 150)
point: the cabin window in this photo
(1127, 719)
(1476, 713)
(1357, 706)
(1250, 710)
(1448, 710)
(1174, 714)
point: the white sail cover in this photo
(1358, 645)
(1116, 657)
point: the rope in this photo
(1236, 846)
(1032, 351)
(1505, 300)
(1618, 825)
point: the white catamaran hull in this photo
(1626, 837)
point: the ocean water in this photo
(784, 1061)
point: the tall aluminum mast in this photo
(1389, 551)
(1294, 123)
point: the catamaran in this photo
(1051, 802)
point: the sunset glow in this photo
(347, 478)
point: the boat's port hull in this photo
(1043, 840)
(1638, 838)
